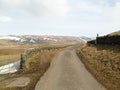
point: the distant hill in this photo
(114, 33)
(110, 39)
(85, 39)
(37, 39)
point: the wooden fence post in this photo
(96, 41)
(22, 61)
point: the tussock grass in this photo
(9, 55)
(103, 62)
(5, 43)
(115, 33)
(6, 59)
(37, 62)
(10, 51)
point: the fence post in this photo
(22, 61)
(9, 71)
(96, 41)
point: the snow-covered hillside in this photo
(10, 38)
(85, 39)
(35, 39)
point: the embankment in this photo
(103, 62)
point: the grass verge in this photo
(103, 62)
(37, 62)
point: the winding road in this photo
(67, 72)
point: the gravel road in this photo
(67, 72)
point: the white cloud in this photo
(38, 7)
(12, 3)
(57, 7)
(85, 6)
(5, 19)
(107, 9)
(112, 12)
(84, 16)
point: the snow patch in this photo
(10, 68)
(32, 41)
(23, 40)
(49, 39)
(10, 38)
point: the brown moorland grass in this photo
(5, 43)
(115, 33)
(10, 51)
(103, 62)
(6, 59)
(37, 62)
(9, 54)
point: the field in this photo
(9, 54)
(37, 62)
(115, 33)
(103, 62)
(12, 53)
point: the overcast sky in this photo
(59, 17)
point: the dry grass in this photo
(10, 51)
(115, 33)
(38, 61)
(5, 43)
(6, 59)
(104, 63)
(8, 55)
